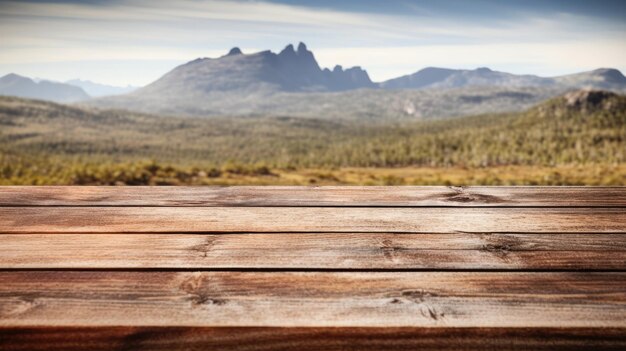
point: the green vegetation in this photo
(46, 171)
(579, 141)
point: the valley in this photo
(574, 139)
(280, 118)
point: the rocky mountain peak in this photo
(288, 50)
(234, 51)
(302, 48)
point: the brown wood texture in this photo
(313, 268)
(266, 196)
(313, 299)
(314, 339)
(310, 219)
(315, 251)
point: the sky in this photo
(134, 42)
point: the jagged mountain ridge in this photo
(292, 82)
(16, 85)
(298, 71)
(290, 70)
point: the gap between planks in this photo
(298, 196)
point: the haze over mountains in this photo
(71, 91)
(94, 89)
(16, 85)
(291, 82)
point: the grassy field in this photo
(556, 143)
(62, 171)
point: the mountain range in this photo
(432, 77)
(291, 82)
(298, 71)
(70, 91)
(16, 85)
(288, 71)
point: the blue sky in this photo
(134, 42)
(477, 9)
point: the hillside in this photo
(16, 85)
(581, 128)
(366, 105)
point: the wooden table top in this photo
(312, 268)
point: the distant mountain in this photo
(292, 83)
(603, 78)
(433, 77)
(16, 85)
(444, 78)
(97, 90)
(288, 71)
(208, 86)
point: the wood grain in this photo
(310, 219)
(283, 196)
(315, 339)
(313, 299)
(315, 251)
(312, 268)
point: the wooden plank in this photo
(309, 219)
(313, 196)
(302, 339)
(315, 251)
(320, 299)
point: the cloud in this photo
(143, 30)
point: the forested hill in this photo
(584, 127)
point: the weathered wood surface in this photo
(313, 299)
(299, 339)
(350, 196)
(310, 219)
(459, 251)
(310, 268)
